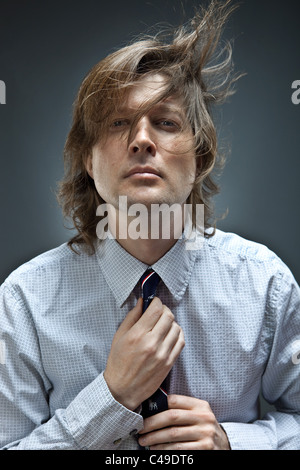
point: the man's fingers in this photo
(164, 323)
(131, 318)
(157, 317)
(173, 344)
(181, 411)
(187, 403)
(189, 422)
(160, 324)
(169, 418)
(152, 315)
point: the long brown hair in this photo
(196, 68)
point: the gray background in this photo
(46, 48)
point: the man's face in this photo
(158, 163)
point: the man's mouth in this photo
(143, 172)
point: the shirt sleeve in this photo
(279, 429)
(93, 420)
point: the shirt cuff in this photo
(243, 436)
(97, 421)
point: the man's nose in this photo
(142, 141)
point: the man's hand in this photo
(188, 424)
(143, 351)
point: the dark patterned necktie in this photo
(158, 401)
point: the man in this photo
(79, 356)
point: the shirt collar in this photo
(122, 271)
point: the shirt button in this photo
(117, 441)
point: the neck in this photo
(147, 251)
(148, 238)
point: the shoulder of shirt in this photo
(234, 245)
(51, 259)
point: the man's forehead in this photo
(147, 90)
(170, 104)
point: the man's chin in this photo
(147, 203)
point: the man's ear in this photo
(88, 163)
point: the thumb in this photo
(132, 317)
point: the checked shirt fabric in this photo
(238, 306)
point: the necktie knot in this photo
(149, 282)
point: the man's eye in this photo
(167, 125)
(120, 123)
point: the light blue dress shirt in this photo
(239, 308)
